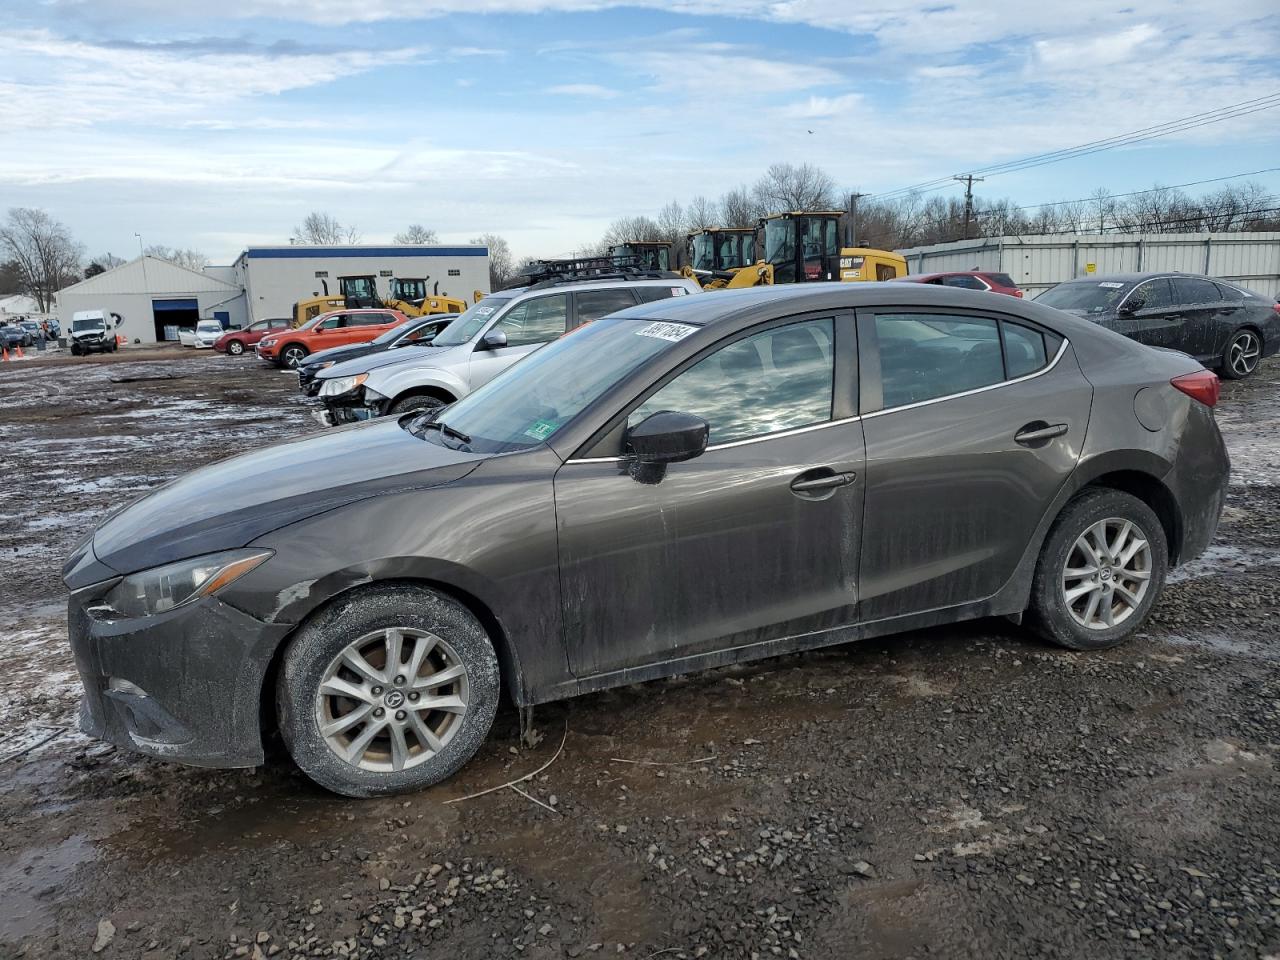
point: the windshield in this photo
(704, 255)
(778, 244)
(208, 325)
(1087, 296)
(409, 289)
(94, 323)
(529, 403)
(470, 323)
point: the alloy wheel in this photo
(1107, 574)
(292, 357)
(392, 699)
(235, 348)
(1243, 353)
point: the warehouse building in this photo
(275, 278)
(153, 299)
(1038, 262)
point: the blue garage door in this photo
(162, 305)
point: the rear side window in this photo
(1001, 279)
(1195, 290)
(650, 294)
(966, 283)
(594, 304)
(777, 380)
(369, 319)
(926, 356)
(1229, 292)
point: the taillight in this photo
(1017, 293)
(1203, 386)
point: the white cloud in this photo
(821, 107)
(593, 90)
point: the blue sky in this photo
(543, 120)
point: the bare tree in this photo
(502, 265)
(47, 256)
(417, 233)
(699, 214)
(191, 259)
(740, 208)
(632, 230)
(324, 229)
(672, 222)
(786, 186)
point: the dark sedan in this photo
(684, 484)
(420, 330)
(1221, 324)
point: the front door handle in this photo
(1038, 433)
(816, 481)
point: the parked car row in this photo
(663, 483)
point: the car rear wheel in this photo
(292, 355)
(1100, 572)
(387, 690)
(1240, 358)
(235, 348)
(416, 403)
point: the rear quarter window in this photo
(650, 294)
(1001, 279)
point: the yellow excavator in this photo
(800, 246)
(719, 257)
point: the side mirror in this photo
(667, 437)
(1132, 305)
(493, 340)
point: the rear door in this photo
(528, 325)
(1207, 327)
(754, 540)
(973, 422)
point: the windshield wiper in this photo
(446, 430)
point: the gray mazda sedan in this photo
(688, 483)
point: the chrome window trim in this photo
(1062, 348)
(737, 443)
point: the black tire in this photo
(235, 348)
(292, 355)
(75, 349)
(1241, 355)
(415, 403)
(325, 636)
(1049, 614)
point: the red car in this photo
(338, 328)
(969, 280)
(236, 342)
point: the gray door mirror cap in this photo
(493, 340)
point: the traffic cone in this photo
(4, 354)
(18, 348)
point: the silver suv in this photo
(480, 344)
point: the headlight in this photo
(153, 591)
(340, 385)
(268, 342)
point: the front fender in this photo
(393, 385)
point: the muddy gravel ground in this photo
(964, 791)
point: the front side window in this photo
(1194, 290)
(537, 320)
(333, 322)
(926, 356)
(1152, 295)
(777, 380)
(594, 304)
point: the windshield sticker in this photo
(541, 429)
(484, 311)
(675, 332)
(1111, 285)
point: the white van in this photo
(91, 331)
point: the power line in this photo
(1139, 193)
(1231, 111)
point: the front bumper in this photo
(184, 686)
(354, 407)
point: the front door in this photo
(527, 326)
(973, 424)
(754, 540)
(1157, 320)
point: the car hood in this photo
(229, 504)
(339, 354)
(408, 356)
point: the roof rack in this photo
(549, 273)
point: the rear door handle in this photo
(814, 481)
(1039, 432)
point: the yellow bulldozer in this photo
(801, 246)
(721, 258)
(408, 295)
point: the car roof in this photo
(675, 280)
(1139, 277)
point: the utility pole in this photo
(968, 180)
(851, 234)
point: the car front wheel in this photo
(1240, 358)
(1100, 572)
(235, 348)
(292, 355)
(387, 690)
(415, 403)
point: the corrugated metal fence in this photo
(1038, 262)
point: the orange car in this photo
(334, 329)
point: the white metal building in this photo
(153, 298)
(1038, 262)
(275, 278)
(15, 305)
